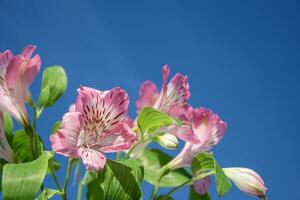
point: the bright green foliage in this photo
(54, 84)
(153, 160)
(22, 181)
(8, 124)
(55, 127)
(122, 180)
(205, 162)
(149, 120)
(21, 146)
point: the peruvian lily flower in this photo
(171, 100)
(172, 95)
(16, 75)
(247, 181)
(207, 128)
(6, 152)
(94, 126)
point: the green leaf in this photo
(153, 160)
(122, 180)
(22, 181)
(8, 124)
(47, 193)
(94, 190)
(195, 196)
(21, 146)
(54, 84)
(55, 127)
(149, 120)
(89, 177)
(204, 162)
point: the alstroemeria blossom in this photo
(207, 128)
(172, 94)
(171, 100)
(16, 74)
(94, 126)
(247, 181)
(6, 152)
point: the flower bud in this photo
(247, 181)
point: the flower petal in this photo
(148, 95)
(92, 159)
(163, 93)
(101, 111)
(65, 141)
(183, 132)
(208, 126)
(120, 139)
(201, 186)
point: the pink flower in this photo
(16, 75)
(171, 100)
(247, 181)
(206, 128)
(94, 126)
(172, 94)
(6, 152)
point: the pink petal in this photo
(121, 138)
(184, 132)
(208, 127)
(92, 159)
(184, 113)
(129, 121)
(5, 59)
(148, 95)
(102, 109)
(65, 141)
(27, 51)
(201, 186)
(163, 93)
(174, 94)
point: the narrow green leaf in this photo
(22, 181)
(54, 84)
(55, 127)
(47, 193)
(94, 190)
(149, 120)
(21, 146)
(8, 124)
(204, 162)
(153, 160)
(122, 180)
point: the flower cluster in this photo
(97, 124)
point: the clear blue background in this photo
(242, 60)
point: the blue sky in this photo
(242, 60)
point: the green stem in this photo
(131, 149)
(118, 156)
(79, 192)
(71, 161)
(162, 172)
(187, 183)
(53, 174)
(32, 140)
